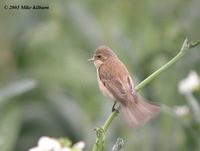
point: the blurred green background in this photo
(47, 87)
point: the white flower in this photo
(190, 83)
(47, 144)
(80, 145)
(35, 149)
(66, 149)
(181, 110)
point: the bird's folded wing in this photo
(117, 89)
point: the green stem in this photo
(110, 118)
(185, 48)
(163, 68)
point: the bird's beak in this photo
(91, 59)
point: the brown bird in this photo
(116, 83)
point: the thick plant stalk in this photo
(184, 50)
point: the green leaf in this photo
(10, 120)
(16, 88)
(65, 142)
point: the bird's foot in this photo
(114, 109)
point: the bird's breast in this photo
(104, 90)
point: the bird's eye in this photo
(99, 56)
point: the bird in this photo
(116, 83)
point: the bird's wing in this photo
(114, 84)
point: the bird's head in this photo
(101, 55)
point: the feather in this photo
(138, 113)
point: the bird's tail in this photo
(138, 112)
